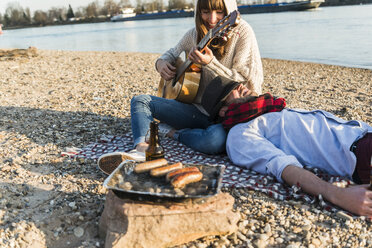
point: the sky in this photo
(46, 4)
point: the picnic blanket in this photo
(234, 176)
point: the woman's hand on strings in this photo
(202, 58)
(166, 69)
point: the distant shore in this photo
(344, 2)
(327, 3)
(52, 101)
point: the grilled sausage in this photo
(161, 171)
(172, 174)
(183, 179)
(149, 165)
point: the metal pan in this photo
(125, 183)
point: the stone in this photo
(267, 228)
(259, 243)
(343, 215)
(129, 223)
(78, 232)
(30, 52)
(316, 242)
(306, 227)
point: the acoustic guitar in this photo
(185, 85)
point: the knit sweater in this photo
(241, 62)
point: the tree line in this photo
(17, 16)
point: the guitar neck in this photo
(204, 42)
(186, 65)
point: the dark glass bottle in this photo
(370, 177)
(155, 150)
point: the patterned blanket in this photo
(234, 176)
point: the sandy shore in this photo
(58, 100)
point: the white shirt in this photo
(270, 142)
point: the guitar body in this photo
(184, 90)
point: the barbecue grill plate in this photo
(125, 183)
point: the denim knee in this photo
(141, 99)
(214, 140)
(210, 141)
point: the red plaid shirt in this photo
(255, 106)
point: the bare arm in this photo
(356, 199)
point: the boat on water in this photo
(125, 13)
(156, 15)
(265, 7)
(279, 6)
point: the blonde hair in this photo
(219, 48)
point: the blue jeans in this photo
(193, 127)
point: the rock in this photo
(263, 237)
(78, 232)
(241, 236)
(34, 237)
(267, 228)
(201, 245)
(306, 227)
(128, 223)
(316, 242)
(11, 53)
(344, 216)
(279, 240)
(259, 243)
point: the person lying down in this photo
(270, 139)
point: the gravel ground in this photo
(59, 99)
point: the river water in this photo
(330, 35)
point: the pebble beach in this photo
(52, 101)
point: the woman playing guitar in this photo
(237, 59)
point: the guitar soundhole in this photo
(217, 42)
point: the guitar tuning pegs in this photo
(237, 20)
